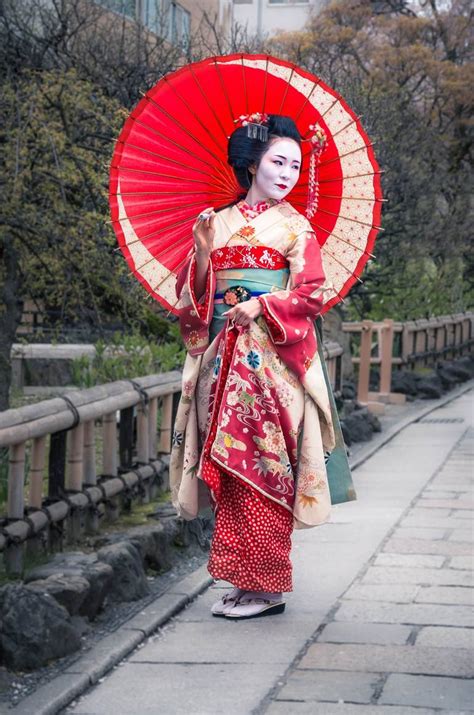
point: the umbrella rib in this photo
(348, 218)
(346, 126)
(265, 84)
(344, 240)
(343, 265)
(208, 103)
(171, 141)
(181, 126)
(341, 156)
(158, 193)
(306, 100)
(158, 231)
(165, 158)
(153, 213)
(221, 184)
(288, 83)
(224, 90)
(245, 84)
(193, 113)
(344, 178)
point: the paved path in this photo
(380, 621)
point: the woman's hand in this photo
(204, 232)
(244, 313)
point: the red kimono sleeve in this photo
(195, 314)
(290, 313)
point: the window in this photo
(288, 2)
(123, 7)
(178, 23)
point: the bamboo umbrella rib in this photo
(229, 106)
(223, 186)
(287, 87)
(159, 231)
(168, 139)
(305, 102)
(346, 178)
(343, 266)
(175, 121)
(158, 193)
(265, 77)
(347, 218)
(245, 85)
(155, 212)
(193, 114)
(348, 153)
(216, 117)
(201, 172)
(346, 126)
(344, 240)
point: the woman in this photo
(254, 421)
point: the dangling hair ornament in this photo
(318, 141)
(256, 124)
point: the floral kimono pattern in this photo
(254, 402)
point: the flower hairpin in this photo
(256, 124)
(318, 140)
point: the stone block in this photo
(419, 532)
(181, 689)
(461, 535)
(441, 637)
(399, 575)
(414, 613)
(462, 562)
(129, 582)
(421, 546)
(390, 592)
(389, 659)
(282, 707)
(382, 633)
(445, 594)
(310, 685)
(409, 560)
(446, 503)
(425, 691)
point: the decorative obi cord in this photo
(244, 272)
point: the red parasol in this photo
(170, 163)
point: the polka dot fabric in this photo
(251, 543)
(252, 540)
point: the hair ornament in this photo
(256, 124)
(318, 140)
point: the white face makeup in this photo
(277, 173)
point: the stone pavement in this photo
(380, 620)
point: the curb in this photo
(88, 669)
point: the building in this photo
(262, 17)
(175, 20)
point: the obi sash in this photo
(257, 269)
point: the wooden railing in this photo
(409, 344)
(59, 437)
(54, 488)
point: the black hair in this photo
(243, 151)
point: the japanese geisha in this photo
(254, 424)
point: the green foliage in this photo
(129, 356)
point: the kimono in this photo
(254, 423)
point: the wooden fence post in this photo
(142, 446)
(90, 475)
(15, 505)
(166, 424)
(364, 363)
(74, 478)
(109, 462)
(38, 453)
